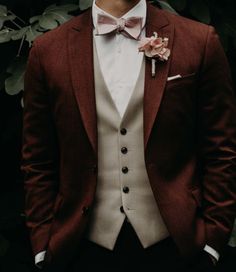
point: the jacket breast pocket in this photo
(184, 81)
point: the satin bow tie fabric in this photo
(130, 27)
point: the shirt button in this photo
(125, 170)
(123, 131)
(126, 190)
(124, 150)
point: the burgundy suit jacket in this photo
(189, 135)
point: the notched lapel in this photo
(155, 86)
(80, 53)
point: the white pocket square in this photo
(174, 77)
(180, 76)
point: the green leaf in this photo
(48, 21)
(200, 10)
(15, 83)
(53, 19)
(30, 33)
(4, 15)
(54, 15)
(5, 35)
(3, 10)
(34, 19)
(3, 19)
(84, 4)
(178, 5)
(166, 6)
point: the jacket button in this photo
(122, 209)
(126, 190)
(125, 170)
(123, 131)
(85, 210)
(124, 150)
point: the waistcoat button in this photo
(126, 190)
(123, 131)
(125, 170)
(124, 150)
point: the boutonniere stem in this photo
(155, 48)
(153, 59)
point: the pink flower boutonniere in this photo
(155, 48)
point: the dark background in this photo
(15, 253)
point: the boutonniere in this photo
(155, 48)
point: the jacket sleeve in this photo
(217, 143)
(39, 154)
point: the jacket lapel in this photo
(80, 49)
(155, 86)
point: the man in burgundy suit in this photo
(128, 159)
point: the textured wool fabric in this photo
(189, 136)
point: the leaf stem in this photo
(21, 45)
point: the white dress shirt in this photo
(120, 63)
(119, 58)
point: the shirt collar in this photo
(139, 10)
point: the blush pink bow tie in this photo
(130, 27)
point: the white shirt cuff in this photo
(212, 252)
(39, 258)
